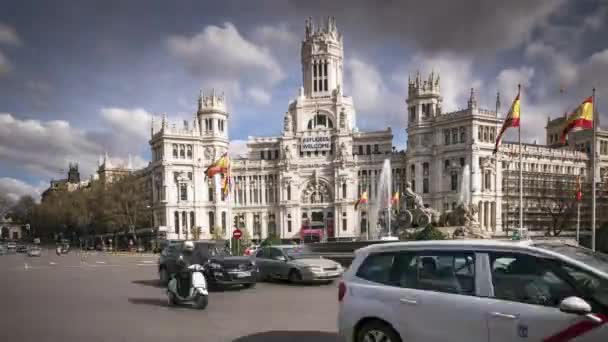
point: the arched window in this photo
(320, 120)
(176, 222)
(344, 190)
(211, 222)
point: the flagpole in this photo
(593, 161)
(578, 221)
(496, 166)
(521, 195)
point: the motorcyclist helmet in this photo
(189, 246)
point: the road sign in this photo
(237, 233)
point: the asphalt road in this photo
(117, 298)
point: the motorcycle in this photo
(196, 292)
(59, 250)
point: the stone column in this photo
(481, 215)
(264, 223)
(487, 213)
(249, 223)
(493, 216)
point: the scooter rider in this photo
(188, 257)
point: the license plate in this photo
(243, 274)
(332, 274)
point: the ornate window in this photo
(174, 150)
(446, 135)
(189, 151)
(463, 135)
(211, 216)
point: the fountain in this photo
(385, 195)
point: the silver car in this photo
(296, 264)
(34, 251)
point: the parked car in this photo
(21, 248)
(221, 270)
(295, 263)
(34, 251)
(3, 249)
(513, 291)
(11, 247)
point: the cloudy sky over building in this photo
(80, 78)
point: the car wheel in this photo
(249, 286)
(295, 276)
(376, 331)
(164, 277)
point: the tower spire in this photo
(472, 101)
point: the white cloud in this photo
(377, 104)
(8, 35)
(260, 96)
(133, 122)
(16, 188)
(280, 34)
(508, 79)
(223, 52)
(237, 148)
(44, 147)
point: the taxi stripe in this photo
(576, 330)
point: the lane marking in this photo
(148, 262)
(52, 263)
(101, 262)
(146, 265)
(26, 266)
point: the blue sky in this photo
(79, 78)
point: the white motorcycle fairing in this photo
(199, 283)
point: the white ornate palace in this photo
(312, 174)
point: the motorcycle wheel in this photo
(201, 302)
(171, 298)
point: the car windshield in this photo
(298, 252)
(584, 255)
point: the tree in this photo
(218, 234)
(6, 203)
(556, 198)
(196, 232)
(127, 204)
(22, 211)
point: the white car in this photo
(474, 291)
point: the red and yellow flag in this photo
(581, 118)
(395, 198)
(219, 166)
(512, 120)
(362, 200)
(579, 190)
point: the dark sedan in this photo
(221, 270)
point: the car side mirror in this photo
(575, 305)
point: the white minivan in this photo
(474, 291)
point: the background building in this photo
(308, 178)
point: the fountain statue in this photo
(465, 214)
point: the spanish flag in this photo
(227, 181)
(219, 166)
(395, 198)
(581, 118)
(579, 190)
(362, 200)
(512, 120)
